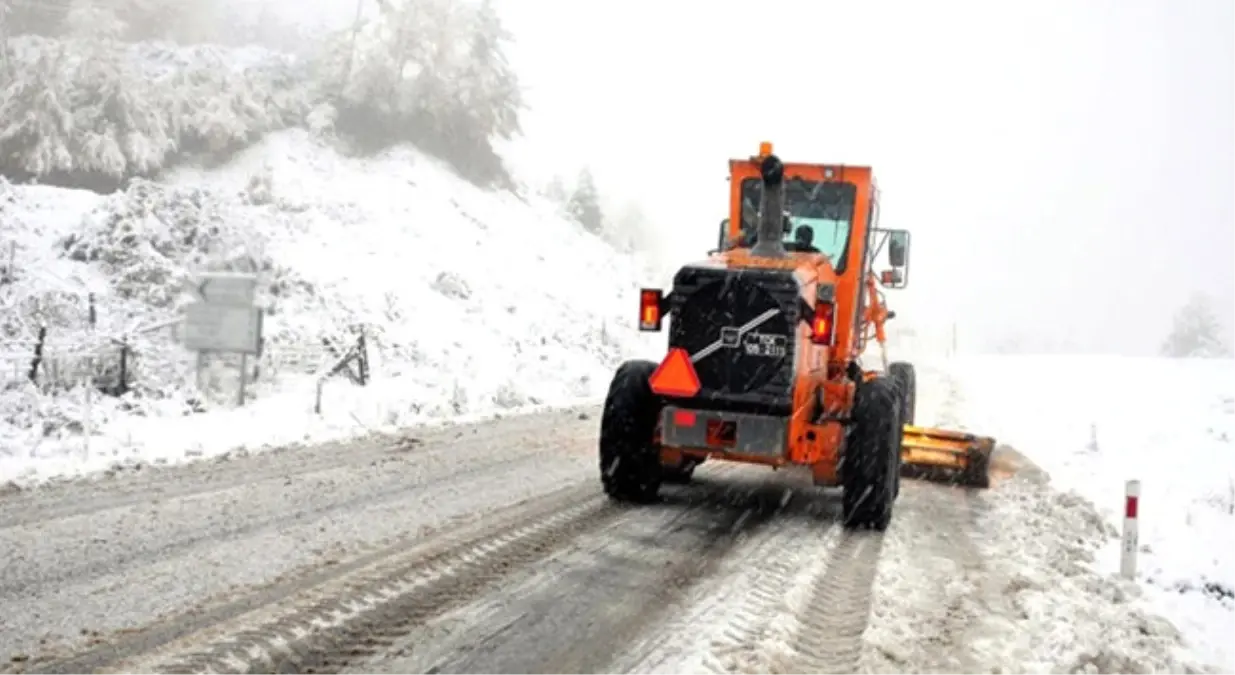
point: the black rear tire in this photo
(906, 379)
(871, 467)
(630, 468)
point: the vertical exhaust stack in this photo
(770, 229)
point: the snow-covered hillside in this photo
(1093, 423)
(471, 301)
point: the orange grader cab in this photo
(764, 338)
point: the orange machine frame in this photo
(818, 380)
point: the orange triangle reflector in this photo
(675, 376)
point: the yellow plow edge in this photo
(932, 451)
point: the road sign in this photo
(211, 327)
(228, 288)
(224, 320)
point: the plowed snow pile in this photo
(1051, 597)
(471, 301)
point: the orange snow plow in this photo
(765, 345)
(956, 456)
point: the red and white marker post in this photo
(1127, 559)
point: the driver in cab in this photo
(803, 239)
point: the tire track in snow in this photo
(315, 623)
(761, 625)
(465, 468)
(586, 605)
(797, 599)
(29, 585)
(745, 586)
(66, 499)
(931, 539)
(831, 625)
(930, 586)
(357, 617)
(809, 611)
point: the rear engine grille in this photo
(739, 326)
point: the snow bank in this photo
(472, 302)
(1094, 422)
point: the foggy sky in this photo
(1066, 166)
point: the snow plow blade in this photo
(954, 456)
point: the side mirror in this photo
(723, 236)
(898, 248)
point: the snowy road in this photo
(85, 560)
(488, 548)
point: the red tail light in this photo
(649, 309)
(822, 327)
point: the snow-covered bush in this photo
(152, 236)
(26, 408)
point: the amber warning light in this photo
(649, 309)
(675, 376)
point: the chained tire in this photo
(630, 469)
(871, 468)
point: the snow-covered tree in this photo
(555, 191)
(489, 91)
(89, 106)
(30, 18)
(167, 19)
(176, 20)
(119, 128)
(1196, 332)
(629, 229)
(432, 72)
(89, 111)
(487, 100)
(94, 21)
(584, 204)
(36, 118)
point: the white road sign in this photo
(210, 327)
(228, 288)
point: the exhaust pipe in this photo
(771, 226)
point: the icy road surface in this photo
(489, 547)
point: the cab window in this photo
(818, 216)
